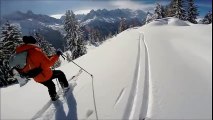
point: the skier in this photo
(38, 65)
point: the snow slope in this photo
(158, 71)
(181, 70)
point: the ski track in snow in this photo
(129, 111)
(89, 113)
(147, 91)
(39, 113)
(119, 97)
(136, 85)
(134, 97)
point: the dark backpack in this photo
(19, 60)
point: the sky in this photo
(56, 8)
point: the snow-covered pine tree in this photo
(123, 25)
(149, 17)
(163, 8)
(10, 39)
(4, 74)
(159, 12)
(68, 57)
(192, 11)
(74, 35)
(179, 8)
(46, 47)
(97, 36)
(94, 37)
(90, 37)
(169, 9)
(208, 18)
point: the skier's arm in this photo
(47, 62)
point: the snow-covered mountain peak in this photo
(115, 14)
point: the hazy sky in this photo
(58, 7)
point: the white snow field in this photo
(162, 70)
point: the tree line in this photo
(185, 10)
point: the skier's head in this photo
(29, 40)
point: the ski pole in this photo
(82, 68)
(79, 66)
(93, 91)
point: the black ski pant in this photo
(50, 84)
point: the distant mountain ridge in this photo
(115, 14)
(29, 23)
(105, 21)
(18, 15)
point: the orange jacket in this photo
(36, 58)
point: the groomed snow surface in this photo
(162, 70)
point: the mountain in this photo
(106, 22)
(30, 22)
(18, 15)
(162, 70)
(114, 15)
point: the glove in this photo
(59, 52)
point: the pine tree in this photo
(10, 39)
(123, 25)
(74, 35)
(4, 74)
(149, 18)
(159, 12)
(163, 8)
(94, 37)
(208, 18)
(170, 10)
(46, 47)
(192, 12)
(69, 57)
(179, 9)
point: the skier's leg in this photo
(61, 78)
(51, 88)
